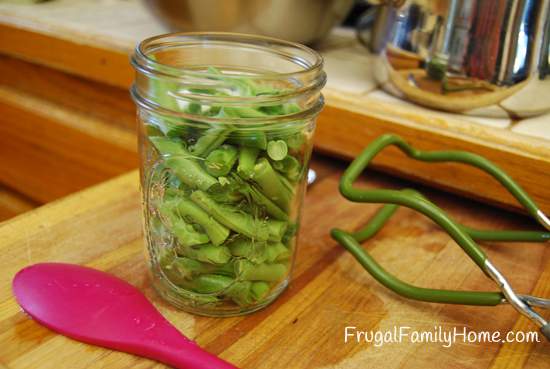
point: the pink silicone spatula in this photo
(98, 308)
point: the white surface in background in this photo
(116, 23)
(347, 64)
(537, 126)
(490, 122)
(120, 24)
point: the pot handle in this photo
(364, 24)
(375, 23)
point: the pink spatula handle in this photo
(98, 308)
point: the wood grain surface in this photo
(80, 95)
(304, 328)
(47, 152)
(13, 203)
(83, 39)
(348, 140)
(96, 63)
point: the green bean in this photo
(172, 192)
(296, 140)
(253, 139)
(166, 146)
(169, 127)
(271, 185)
(178, 159)
(179, 275)
(259, 272)
(231, 217)
(273, 109)
(160, 89)
(220, 161)
(225, 269)
(277, 252)
(246, 292)
(258, 290)
(157, 228)
(211, 139)
(276, 229)
(270, 207)
(281, 109)
(243, 112)
(194, 108)
(250, 191)
(245, 86)
(289, 187)
(209, 283)
(239, 292)
(225, 191)
(291, 108)
(153, 129)
(206, 253)
(190, 268)
(184, 268)
(277, 149)
(166, 259)
(239, 221)
(184, 232)
(252, 250)
(216, 232)
(259, 252)
(247, 160)
(289, 166)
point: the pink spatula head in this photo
(98, 308)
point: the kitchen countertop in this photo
(83, 39)
(90, 23)
(304, 328)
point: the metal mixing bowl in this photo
(488, 58)
(304, 21)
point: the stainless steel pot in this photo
(480, 57)
(304, 21)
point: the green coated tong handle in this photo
(464, 236)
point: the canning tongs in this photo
(463, 235)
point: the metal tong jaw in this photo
(464, 236)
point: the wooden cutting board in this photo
(93, 39)
(101, 227)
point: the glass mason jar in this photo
(226, 124)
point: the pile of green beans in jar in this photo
(223, 214)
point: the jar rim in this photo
(142, 61)
(293, 117)
(311, 74)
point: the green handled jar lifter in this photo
(464, 236)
